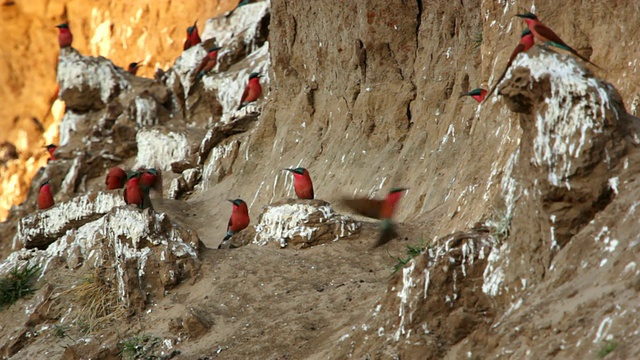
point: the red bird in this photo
(115, 178)
(45, 199)
(302, 183)
(379, 209)
(208, 62)
(148, 177)
(193, 38)
(546, 35)
(133, 68)
(252, 91)
(136, 193)
(526, 43)
(51, 148)
(65, 38)
(478, 94)
(239, 219)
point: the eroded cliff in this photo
(522, 207)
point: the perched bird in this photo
(65, 38)
(302, 183)
(239, 219)
(252, 91)
(478, 94)
(526, 42)
(116, 177)
(148, 177)
(193, 38)
(546, 35)
(45, 199)
(379, 209)
(133, 68)
(51, 148)
(208, 62)
(136, 193)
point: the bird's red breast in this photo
(132, 192)
(148, 179)
(65, 38)
(239, 219)
(115, 178)
(45, 199)
(303, 185)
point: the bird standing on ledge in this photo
(252, 91)
(526, 42)
(239, 219)
(45, 199)
(208, 62)
(478, 94)
(379, 209)
(546, 35)
(302, 183)
(115, 178)
(193, 38)
(133, 68)
(65, 38)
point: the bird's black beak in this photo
(463, 95)
(519, 15)
(291, 170)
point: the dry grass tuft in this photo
(97, 299)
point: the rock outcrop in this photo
(519, 223)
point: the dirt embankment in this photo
(525, 205)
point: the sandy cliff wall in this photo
(149, 31)
(526, 201)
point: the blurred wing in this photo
(387, 233)
(366, 207)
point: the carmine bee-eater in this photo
(239, 219)
(148, 177)
(51, 149)
(302, 183)
(116, 177)
(546, 35)
(65, 38)
(252, 91)
(526, 42)
(133, 68)
(136, 193)
(45, 199)
(478, 94)
(379, 209)
(208, 62)
(193, 38)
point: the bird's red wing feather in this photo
(366, 207)
(515, 53)
(244, 94)
(550, 35)
(230, 223)
(203, 63)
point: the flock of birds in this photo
(536, 30)
(137, 183)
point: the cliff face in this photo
(523, 206)
(148, 31)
